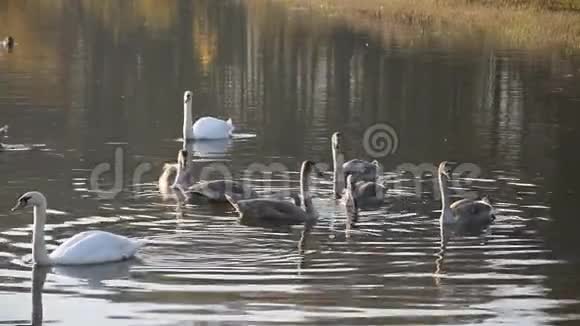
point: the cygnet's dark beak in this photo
(18, 206)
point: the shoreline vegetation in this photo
(529, 24)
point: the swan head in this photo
(187, 96)
(335, 139)
(444, 170)
(307, 167)
(310, 166)
(29, 199)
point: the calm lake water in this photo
(89, 79)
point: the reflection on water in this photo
(38, 279)
(90, 79)
(211, 148)
(95, 275)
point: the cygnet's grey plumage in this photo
(216, 190)
(273, 210)
(361, 170)
(466, 212)
(279, 211)
(176, 175)
(363, 175)
(369, 194)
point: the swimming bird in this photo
(280, 211)
(8, 43)
(167, 177)
(204, 127)
(367, 193)
(213, 190)
(89, 247)
(176, 175)
(218, 190)
(360, 170)
(466, 212)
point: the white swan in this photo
(360, 170)
(204, 127)
(7, 43)
(89, 247)
(466, 212)
(277, 211)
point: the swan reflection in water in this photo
(302, 244)
(92, 275)
(301, 248)
(38, 278)
(210, 148)
(446, 233)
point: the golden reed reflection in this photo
(291, 71)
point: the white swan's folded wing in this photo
(94, 247)
(211, 128)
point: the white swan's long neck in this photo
(305, 191)
(338, 174)
(39, 254)
(187, 121)
(446, 213)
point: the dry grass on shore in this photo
(518, 23)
